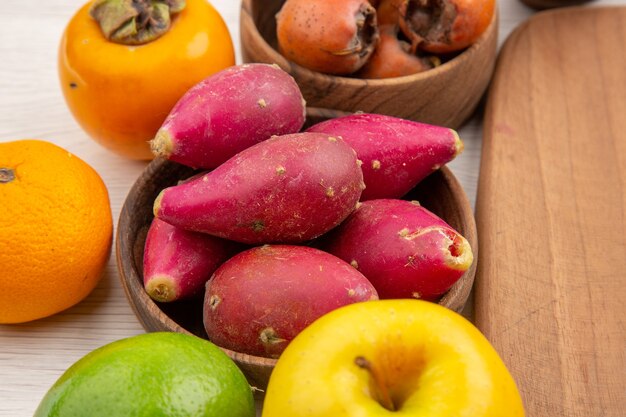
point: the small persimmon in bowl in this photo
(425, 61)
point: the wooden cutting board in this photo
(551, 212)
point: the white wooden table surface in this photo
(34, 355)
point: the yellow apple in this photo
(391, 358)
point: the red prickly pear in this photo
(403, 249)
(396, 153)
(260, 299)
(289, 189)
(178, 263)
(229, 112)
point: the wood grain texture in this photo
(446, 95)
(551, 212)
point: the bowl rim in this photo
(132, 282)
(462, 58)
(141, 303)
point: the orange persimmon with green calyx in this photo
(55, 230)
(123, 64)
(443, 26)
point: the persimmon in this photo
(393, 58)
(388, 12)
(333, 37)
(443, 26)
(123, 64)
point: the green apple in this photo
(151, 375)
(391, 357)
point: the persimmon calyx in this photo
(134, 22)
(427, 21)
(366, 37)
(6, 175)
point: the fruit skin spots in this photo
(402, 248)
(333, 37)
(260, 299)
(151, 375)
(56, 230)
(396, 153)
(247, 201)
(177, 263)
(223, 115)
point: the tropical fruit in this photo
(161, 374)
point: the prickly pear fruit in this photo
(402, 248)
(288, 189)
(228, 112)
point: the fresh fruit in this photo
(260, 299)
(396, 153)
(403, 249)
(391, 357)
(153, 374)
(55, 230)
(334, 37)
(378, 39)
(388, 12)
(287, 189)
(177, 263)
(229, 112)
(393, 58)
(444, 26)
(121, 92)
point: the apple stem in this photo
(381, 388)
